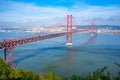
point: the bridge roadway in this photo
(17, 42)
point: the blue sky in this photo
(49, 12)
(69, 3)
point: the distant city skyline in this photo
(49, 12)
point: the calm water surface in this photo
(86, 54)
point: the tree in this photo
(4, 70)
(16, 74)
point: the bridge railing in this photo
(17, 42)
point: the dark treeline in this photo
(6, 73)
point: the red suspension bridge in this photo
(9, 45)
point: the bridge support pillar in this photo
(8, 50)
(69, 31)
(11, 54)
(5, 50)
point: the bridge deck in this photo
(17, 42)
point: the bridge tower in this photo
(92, 29)
(69, 31)
(8, 50)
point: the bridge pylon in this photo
(5, 51)
(8, 50)
(69, 30)
(92, 29)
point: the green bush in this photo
(16, 74)
(51, 76)
(6, 73)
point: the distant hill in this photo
(98, 26)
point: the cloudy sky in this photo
(49, 12)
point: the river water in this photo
(87, 54)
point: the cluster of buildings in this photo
(107, 30)
(43, 29)
(51, 29)
(61, 29)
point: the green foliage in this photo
(118, 77)
(36, 77)
(6, 73)
(28, 75)
(4, 70)
(74, 77)
(51, 76)
(99, 73)
(1, 61)
(95, 75)
(16, 74)
(56, 77)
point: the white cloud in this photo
(98, 14)
(26, 14)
